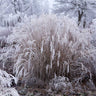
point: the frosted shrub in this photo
(60, 84)
(48, 46)
(6, 55)
(92, 26)
(8, 92)
(6, 79)
(93, 31)
(4, 31)
(10, 20)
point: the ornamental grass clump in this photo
(48, 46)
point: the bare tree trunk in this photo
(80, 14)
(93, 70)
(84, 22)
(14, 4)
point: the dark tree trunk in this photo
(84, 24)
(93, 75)
(14, 4)
(80, 14)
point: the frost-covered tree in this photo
(84, 10)
(28, 7)
(32, 7)
(12, 10)
(45, 7)
(17, 5)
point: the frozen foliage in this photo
(93, 28)
(83, 10)
(93, 32)
(11, 20)
(48, 46)
(28, 7)
(8, 92)
(13, 11)
(6, 53)
(4, 32)
(6, 79)
(60, 84)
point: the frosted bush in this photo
(60, 84)
(92, 26)
(6, 55)
(48, 46)
(10, 20)
(8, 92)
(93, 31)
(4, 31)
(6, 79)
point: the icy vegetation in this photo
(8, 92)
(51, 46)
(7, 80)
(47, 51)
(50, 42)
(61, 84)
(83, 10)
(51, 49)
